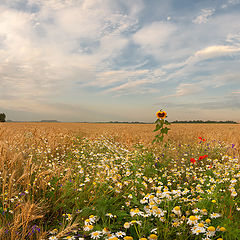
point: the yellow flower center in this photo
(153, 237)
(211, 229)
(222, 229)
(128, 238)
(192, 218)
(208, 220)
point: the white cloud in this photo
(216, 51)
(233, 39)
(181, 69)
(230, 3)
(44, 53)
(120, 76)
(153, 37)
(204, 16)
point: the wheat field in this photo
(130, 134)
(51, 186)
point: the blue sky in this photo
(103, 60)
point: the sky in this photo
(118, 60)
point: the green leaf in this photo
(161, 123)
(157, 127)
(167, 123)
(164, 130)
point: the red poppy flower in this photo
(205, 156)
(200, 138)
(201, 158)
(192, 160)
(203, 139)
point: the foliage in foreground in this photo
(97, 189)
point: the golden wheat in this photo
(19, 164)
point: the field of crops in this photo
(108, 181)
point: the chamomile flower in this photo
(70, 237)
(192, 220)
(215, 215)
(204, 211)
(177, 210)
(120, 234)
(198, 228)
(96, 234)
(222, 229)
(196, 210)
(153, 237)
(128, 238)
(88, 228)
(53, 238)
(127, 225)
(211, 231)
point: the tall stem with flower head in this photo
(160, 122)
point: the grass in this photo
(56, 183)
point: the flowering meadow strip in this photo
(98, 189)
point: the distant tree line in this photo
(201, 121)
(2, 117)
(49, 121)
(126, 122)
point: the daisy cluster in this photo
(140, 195)
(82, 188)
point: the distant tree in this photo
(2, 117)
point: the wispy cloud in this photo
(230, 3)
(125, 82)
(204, 16)
(185, 89)
(64, 42)
(189, 65)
